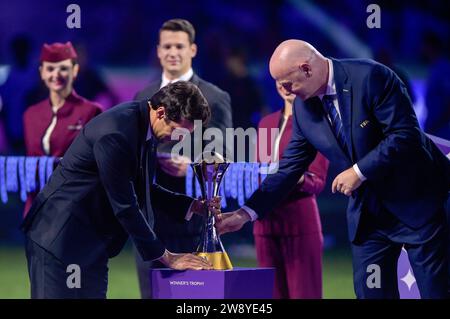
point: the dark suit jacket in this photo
(221, 118)
(96, 196)
(406, 173)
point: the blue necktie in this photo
(336, 122)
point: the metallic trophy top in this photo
(209, 169)
(210, 158)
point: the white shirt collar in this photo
(185, 77)
(331, 85)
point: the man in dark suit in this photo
(100, 194)
(175, 50)
(358, 114)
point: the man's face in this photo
(163, 127)
(58, 76)
(285, 95)
(298, 82)
(175, 53)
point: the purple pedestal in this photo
(239, 283)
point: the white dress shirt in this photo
(185, 77)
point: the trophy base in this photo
(218, 259)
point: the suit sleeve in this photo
(138, 96)
(295, 160)
(173, 204)
(114, 161)
(146, 92)
(392, 108)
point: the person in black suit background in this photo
(358, 114)
(100, 194)
(175, 51)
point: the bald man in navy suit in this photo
(358, 114)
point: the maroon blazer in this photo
(71, 118)
(298, 214)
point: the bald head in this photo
(290, 54)
(298, 61)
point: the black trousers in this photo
(52, 279)
(381, 238)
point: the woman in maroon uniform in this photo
(290, 238)
(51, 125)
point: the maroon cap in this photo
(56, 52)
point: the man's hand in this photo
(175, 167)
(346, 182)
(184, 261)
(230, 222)
(214, 205)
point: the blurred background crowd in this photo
(116, 47)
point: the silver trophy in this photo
(209, 172)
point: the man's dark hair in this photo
(182, 100)
(179, 25)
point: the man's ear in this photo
(158, 51)
(193, 49)
(306, 69)
(161, 112)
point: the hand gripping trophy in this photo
(209, 172)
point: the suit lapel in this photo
(144, 122)
(142, 148)
(153, 88)
(326, 140)
(195, 79)
(344, 93)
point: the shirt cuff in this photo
(253, 215)
(160, 256)
(358, 172)
(189, 213)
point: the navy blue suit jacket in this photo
(96, 197)
(406, 173)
